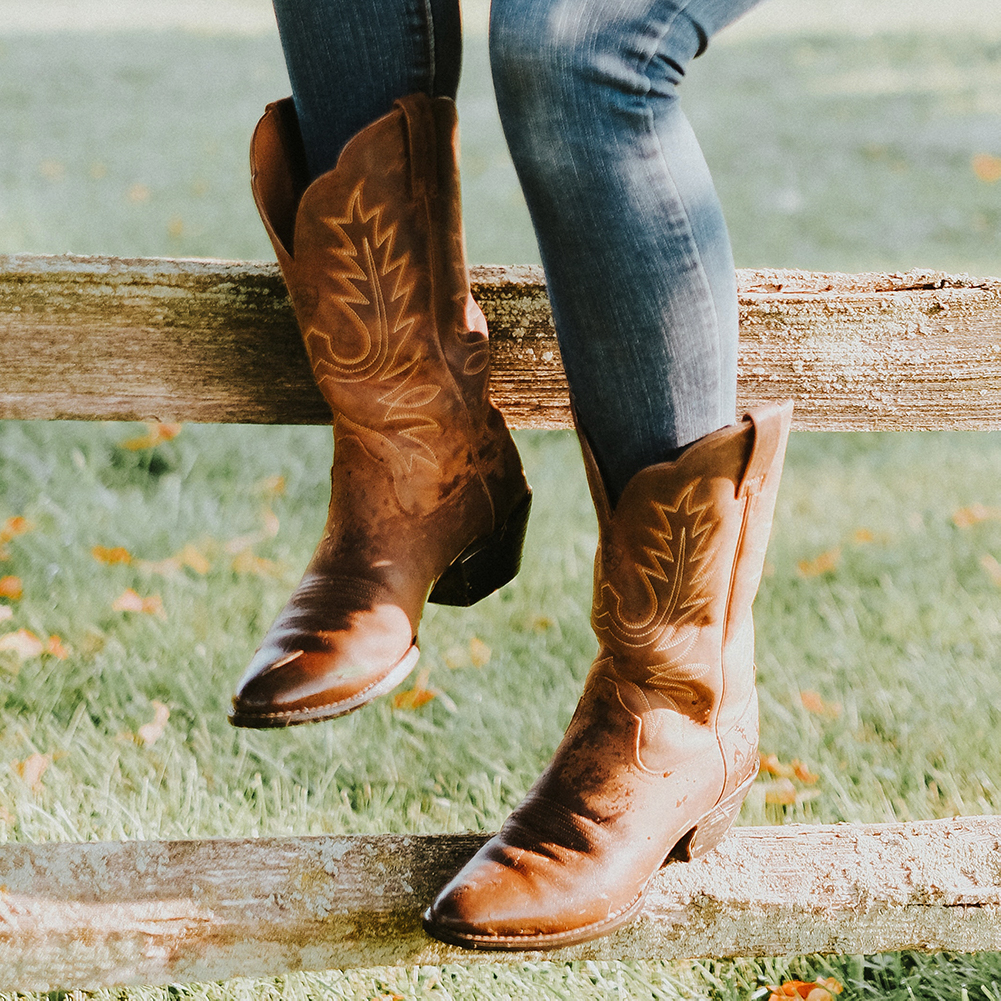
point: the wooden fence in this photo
(102, 338)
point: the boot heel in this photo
(486, 564)
(711, 829)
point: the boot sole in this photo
(699, 840)
(316, 714)
(486, 564)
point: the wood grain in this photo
(92, 915)
(183, 340)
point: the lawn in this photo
(138, 575)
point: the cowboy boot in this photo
(428, 497)
(663, 745)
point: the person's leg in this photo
(663, 745)
(636, 252)
(348, 61)
(428, 498)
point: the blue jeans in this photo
(637, 257)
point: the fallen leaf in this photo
(150, 733)
(781, 792)
(479, 652)
(189, 556)
(813, 703)
(246, 561)
(987, 167)
(32, 769)
(111, 556)
(13, 527)
(993, 568)
(130, 601)
(11, 587)
(822, 564)
(813, 990)
(23, 642)
(272, 486)
(419, 695)
(801, 772)
(974, 514)
(54, 648)
(155, 435)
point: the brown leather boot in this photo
(663, 745)
(428, 497)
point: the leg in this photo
(428, 498)
(348, 61)
(632, 236)
(663, 745)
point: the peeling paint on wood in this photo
(186, 340)
(94, 915)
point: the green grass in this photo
(829, 153)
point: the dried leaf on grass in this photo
(821, 989)
(993, 568)
(476, 654)
(964, 517)
(189, 556)
(986, 167)
(11, 587)
(31, 770)
(130, 601)
(150, 733)
(419, 695)
(813, 703)
(155, 434)
(13, 527)
(824, 563)
(111, 556)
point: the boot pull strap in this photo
(422, 145)
(767, 421)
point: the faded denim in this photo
(636, 252)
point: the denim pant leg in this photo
(636, 252)
(349, 60)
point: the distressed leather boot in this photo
(663, 745)
(428, 497)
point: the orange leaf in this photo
(822, 564)
(813, 990)
(110, 557)
(130, 601)
(247, 562)
(155, 434)
(803, 773)
(10, 587)
(54, 648)
(974, 514)
(13, 527)
(479, 652)
(781, 792)
(770, 765)
(813, 703)
(32, 769)
(987, 167)
(22, 642)
(150, 733)
(993, 568)
(417, 696)
(272, 486)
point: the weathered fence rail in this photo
(92, 337)
(89, 915)
(103, 338)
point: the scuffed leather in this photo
(372, 254)
(664, 738)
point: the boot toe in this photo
(285, 687)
